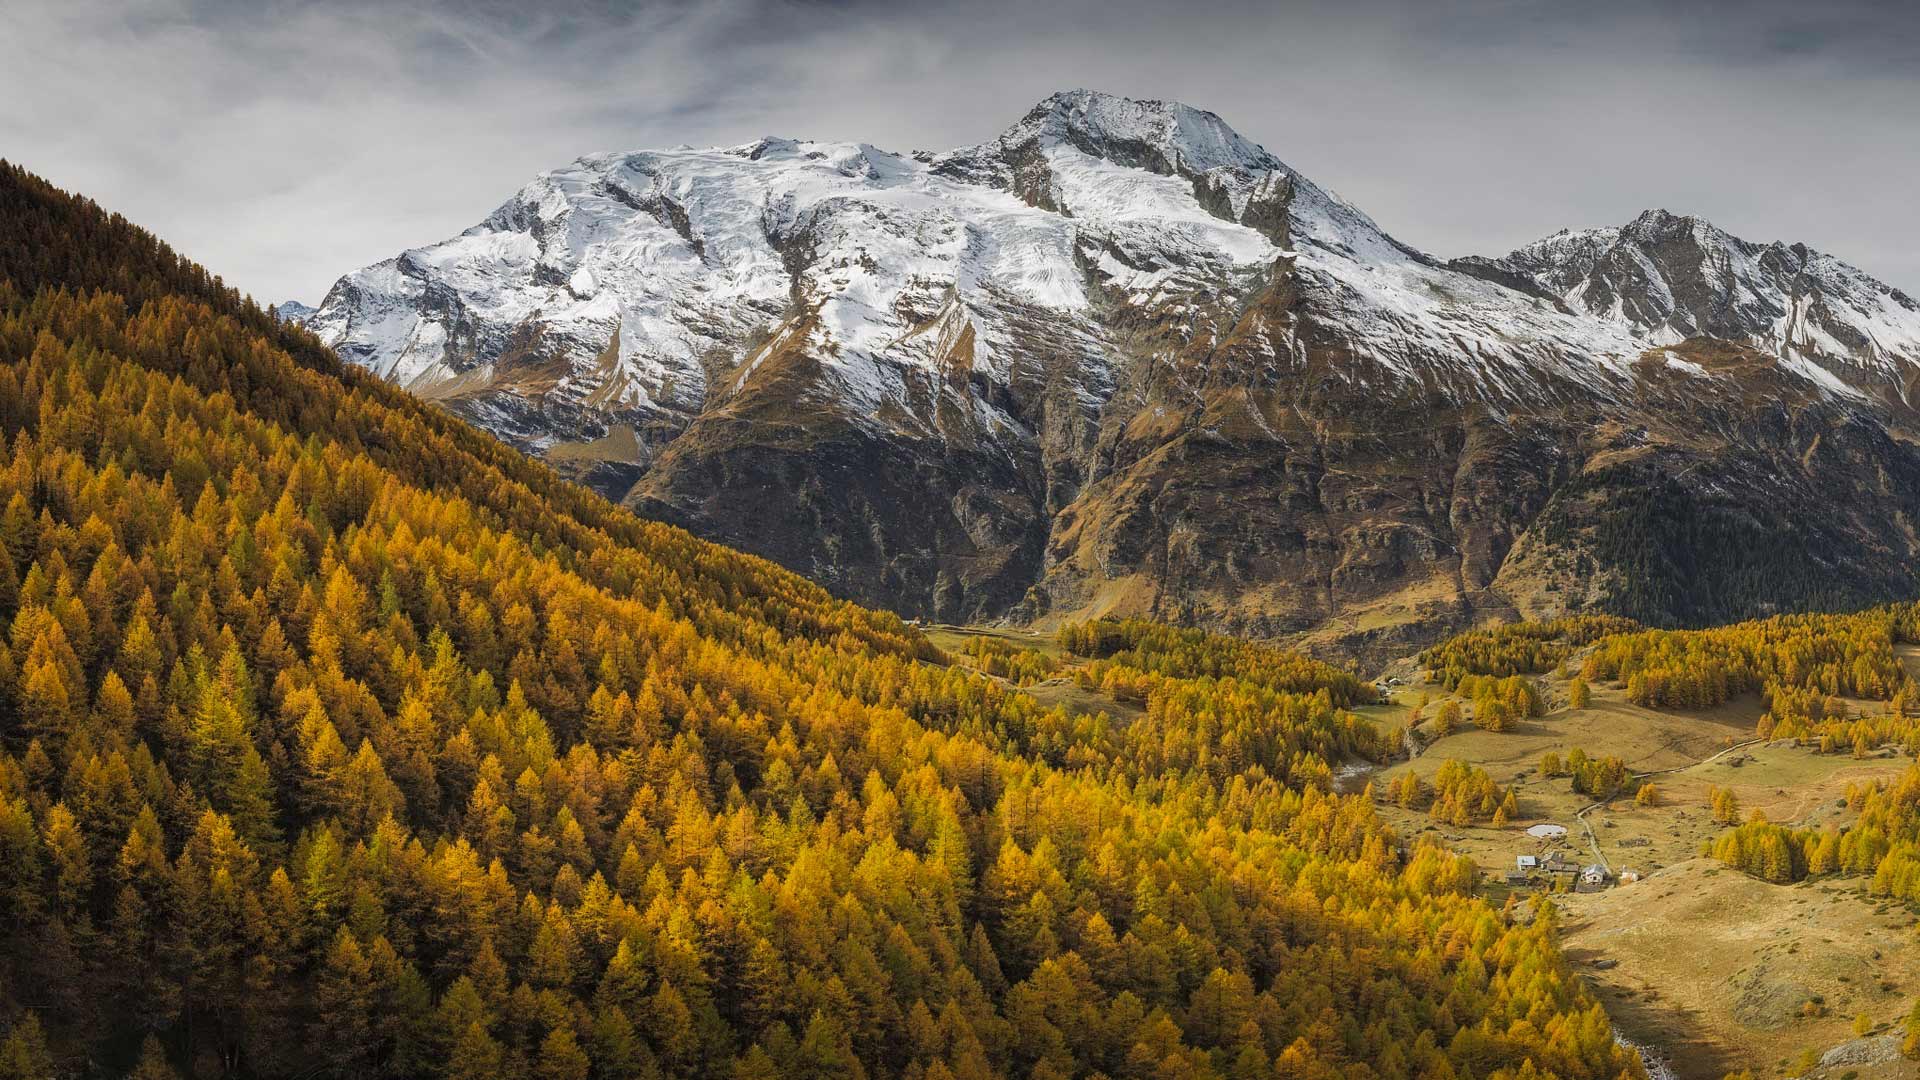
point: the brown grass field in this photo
(955, 638)
(1724, 971)
(1717, 970)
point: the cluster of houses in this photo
(1557, 869)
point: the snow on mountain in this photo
(637, 281)
(647, 273)
(293, 311)
(1121, 359)
(1671, 278)
(641, 284)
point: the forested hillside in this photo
(1831, 682)
(1780, 747)
(341, 741)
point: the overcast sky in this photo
(283, 143)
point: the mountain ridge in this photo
(1064, 341)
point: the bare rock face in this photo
(1871, 1050)
(1122, 360)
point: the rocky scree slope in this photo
(1122, 360)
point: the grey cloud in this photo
(286, 142)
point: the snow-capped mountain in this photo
(1672, 278)
(293, 311)
(1121, 358)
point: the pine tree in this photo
(561, 1058)
(153, 1062)
(23, 1053)
(1726, 808)
(476, 1056)
(826, 1052)
(343, 1006)
(1578, 694)
(72, 866)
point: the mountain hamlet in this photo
(1122, 361)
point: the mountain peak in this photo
(1661, 217)
(1661, 224)
(1037, 358)
(1166, 135)
(1677, 276)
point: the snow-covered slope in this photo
(1671, 278)
(650, 279)
(293, 311)
(1006, 373)
(634, 284)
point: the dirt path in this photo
(1593, 840)
(1708, 760)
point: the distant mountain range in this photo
(1122, 360)
(293, 311)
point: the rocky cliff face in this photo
(1122, 360)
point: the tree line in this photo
(1522, 648)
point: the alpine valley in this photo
(1122, 361)
(340, 740)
